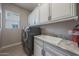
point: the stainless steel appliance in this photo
(28, 39)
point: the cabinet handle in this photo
(34, 22)
(43, 52)
(49, 18)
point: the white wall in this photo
(59, 28)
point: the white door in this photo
(37, 49)
(11, 30)
(61, 10)
(44, 12)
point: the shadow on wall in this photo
(59, 29)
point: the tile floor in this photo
(13, 51)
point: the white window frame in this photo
(12, 14)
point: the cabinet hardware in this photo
(43, 52)
(34, 22)
(49, 18)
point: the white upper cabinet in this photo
(30, 19)
(74, 9)
(36, 11)
(52, 12)
(33, 18)
(44, 12)
(62, 10)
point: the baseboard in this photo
(14, 44)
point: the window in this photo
(12, 20)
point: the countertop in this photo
(62, 43)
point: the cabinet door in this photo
(44, 12)
(74, 9)
(61, 10)
(36, 16)
(47, 53)
(31, 19)
(37, 50)
(51, 50)
(38, 46)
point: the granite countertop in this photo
(62, 43)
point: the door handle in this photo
(43, 52)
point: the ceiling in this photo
(28, 6)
